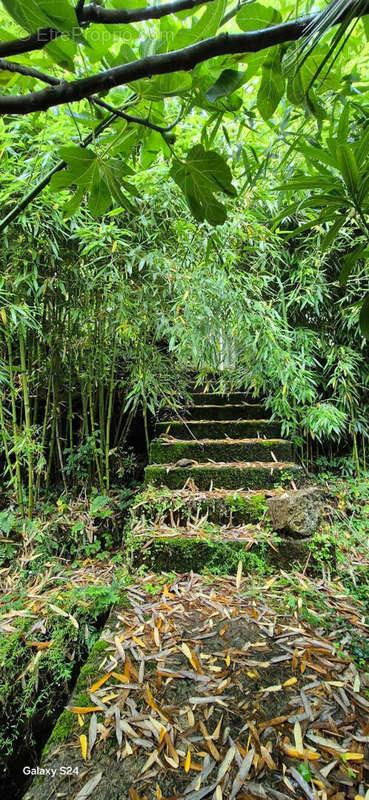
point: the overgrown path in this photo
(198, 686)
(197, 690)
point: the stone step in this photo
(233, 475)
(223, 506)
(215, 399)
(165, 452)
(240, 411)
(218, 429)
(220, 551)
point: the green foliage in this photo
(204, 173)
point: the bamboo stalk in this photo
(15, 425)
(27, 417)
(109, 414)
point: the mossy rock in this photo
(232, 429)
(229, 411)
(229, 476)
(162, 452)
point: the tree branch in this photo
(163, 64)
(36, 41)
(95, 13)
(30, 72)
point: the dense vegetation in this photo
(187, 202)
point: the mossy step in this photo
(234, 475)
(162, 452)
(229, 411)
(62, 747)
(215, 399)
(224, 506)
(218, 552)
(216, 429)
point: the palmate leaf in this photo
(203, 174)
(102, 179)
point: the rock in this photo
(296, 513)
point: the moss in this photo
(237, 507)
(236, 429)
(225, 450)
(248, 509)
(67, 723)
(251, 411)
(183, 554)
(227, 477)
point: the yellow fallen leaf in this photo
(120, 677)
(83, 709)
(192, 657)
(80, 721)
(293, 753)
(187, 764)
(158, 792)
(100, 682)
(290, 682)
(150, 698)
(40, 645)
(352, 756)
(138, 641)
(83, 743)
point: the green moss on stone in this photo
(237, 507)
(67, 724)
(260, 450)
(251, 508)
(227, 477)
(182, 554)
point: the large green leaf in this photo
(34, 14)
(270, 90)
(228, 82)
(202, 28)
(314, 154)
(348, 167)
(255, 17)
(102, 179)
(203, 174)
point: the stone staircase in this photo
(203, 510)
(209, 475)
(230, 442)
